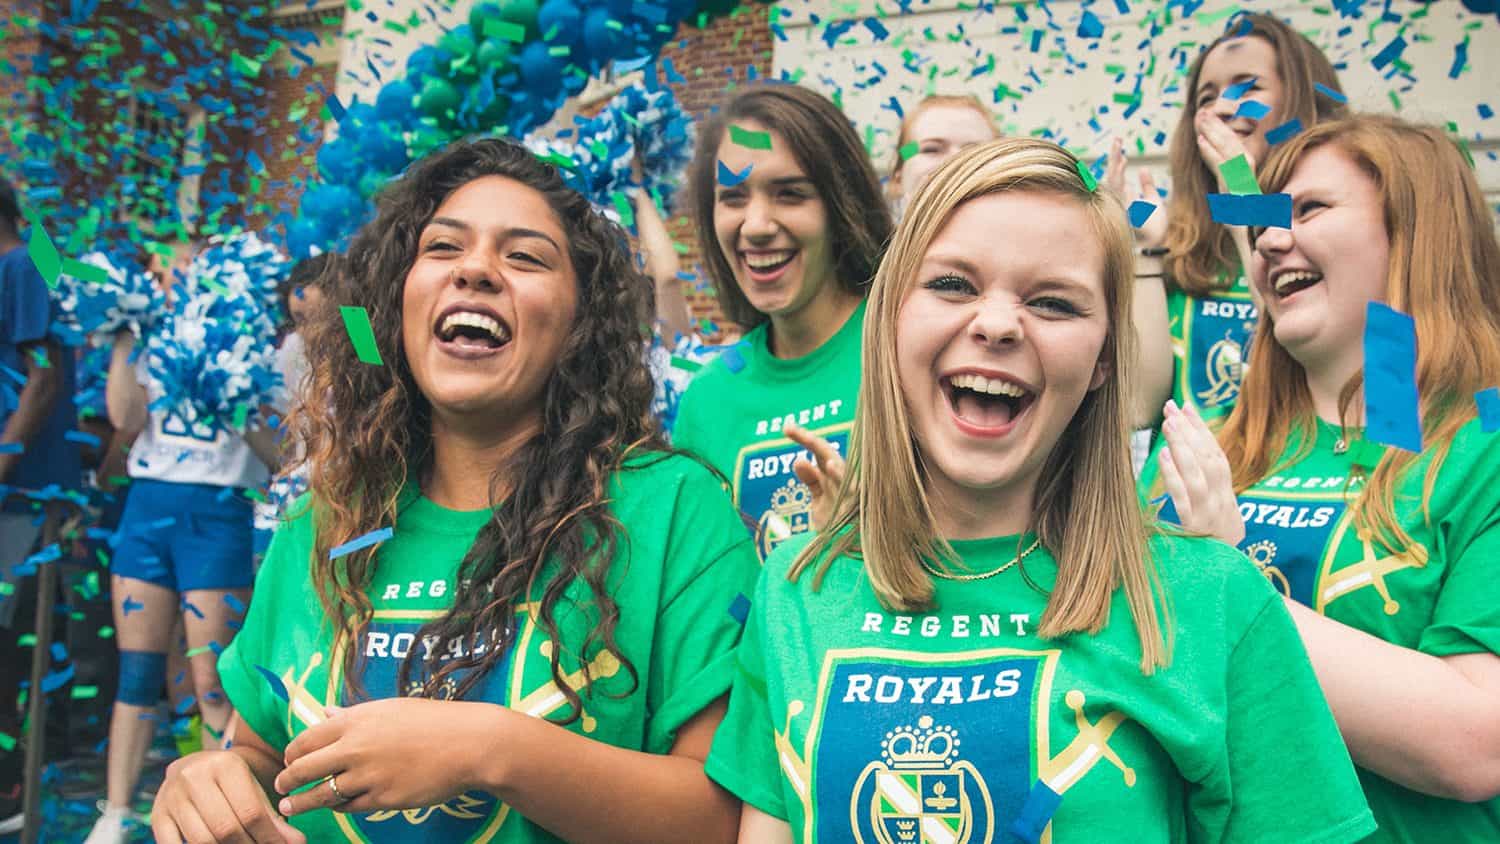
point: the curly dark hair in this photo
(829, 151)
(368, 430)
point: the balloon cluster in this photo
(210, 362)
(641, 122)
(506, 71)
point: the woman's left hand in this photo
(1196, 474)
(397, 753)
(1218, 143)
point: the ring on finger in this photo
(333, 784)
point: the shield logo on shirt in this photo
(766, 488)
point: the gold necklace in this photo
(983, 575)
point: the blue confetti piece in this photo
(59, 652)
(1271, 210)
(1485, 112)
(739, 608)
(876, 28)
(1036, 39)
(12, 448)
(1253, 109)
(1489, 409)
(234, 604)
(1389, 53)
(1391, 399)
(82, 438)
(1041, 803)
(131, 605)
(1284, 132)
(1460, 58)
(1330, 93)
(188, 605)
(162, 523)
(728, 178)
(277, 687)
(56, 680)
(362, 542)
(1140, 212)
(1090, 26)
(733, 360)
(1238, 89)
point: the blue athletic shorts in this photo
(185, 536)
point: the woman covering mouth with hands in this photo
(541, 645)
(1386, 557)
(987, 640)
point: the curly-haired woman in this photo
(542, 645)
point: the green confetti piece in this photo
(85, 692)
(908, 150)
(1088, 178)
(256, 495)
(1238, 176)
(44, 254)
(748, 138)
(504, 30)
(7, 588)
(361, 334)
(7, 742)
(106, 632)
(558, 52)
(86, 272)
(1365, 453)
(192, 652)
(26, 640)
(685, 364)
(245, 66)
(622, 205)
(241, 416)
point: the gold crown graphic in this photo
(906, 830)
(923, 746)
(791, 499)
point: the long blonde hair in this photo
(1444, 262)
(1087, 511)
(1200, 251)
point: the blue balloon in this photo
(394, 100)
(541, 71)
(382, 148)
(301, 236)
(428, 60)
(602, 43)
(337, 161)
(561, 18)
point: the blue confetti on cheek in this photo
(1392, 413)
(1253, 109)
(360, 543)
(1489, 409)
(1140, 212)
(1284, 132)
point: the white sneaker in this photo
(14, 823)
(110, 828)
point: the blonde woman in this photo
(934, 130)
(981, 642)
(1387, 558)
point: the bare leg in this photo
(146, 627)
(208, 632)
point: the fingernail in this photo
(285, 806)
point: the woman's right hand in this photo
(1153, 233)
(214, 796)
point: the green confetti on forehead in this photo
(748, 138)
(908, 149)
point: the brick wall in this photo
(293, 135)
(18, 44)
(714, 62)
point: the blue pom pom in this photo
(128, 298)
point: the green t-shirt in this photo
(1440, 597)
(733, 412)
(1210, 345)
(682, 570)
(858, 724)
